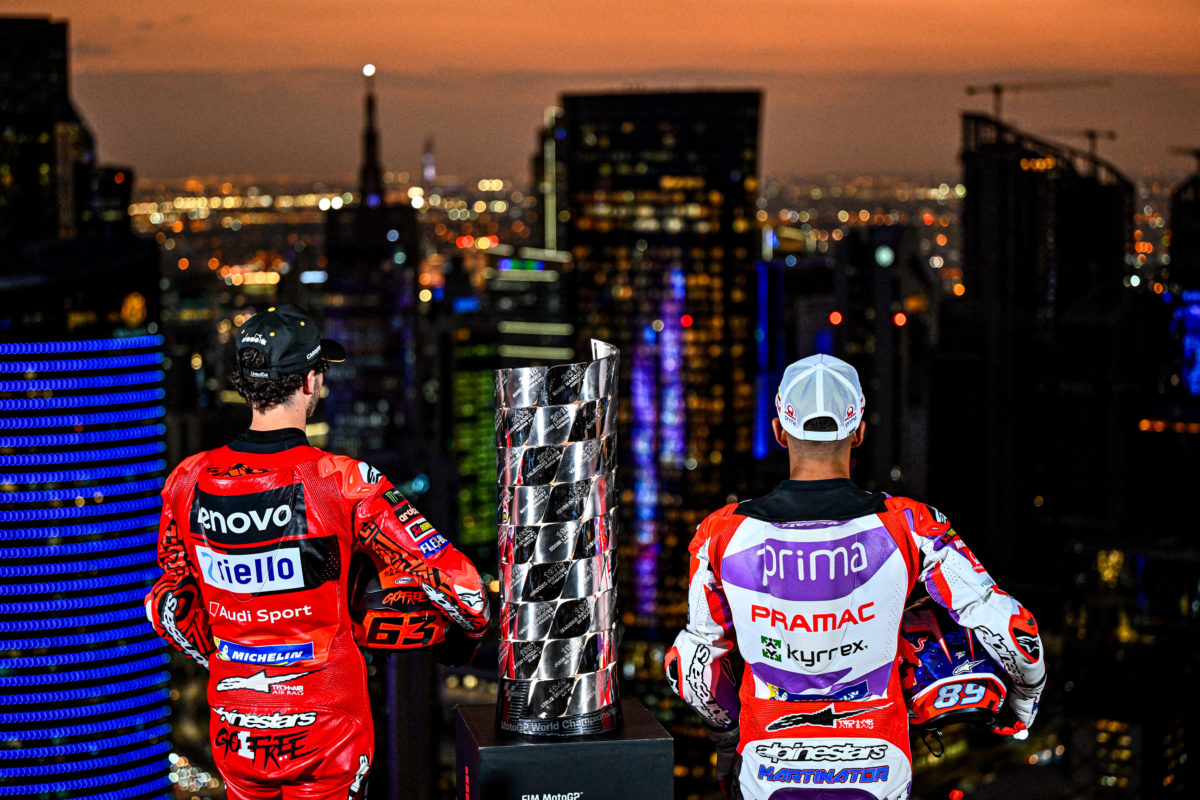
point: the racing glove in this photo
(1020, 708)
(726, 743)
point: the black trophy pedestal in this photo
(635, 763)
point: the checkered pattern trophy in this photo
(556, 462)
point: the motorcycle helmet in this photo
(391, 612)
(946, 674)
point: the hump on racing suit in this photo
(813, 607)
(256, 547)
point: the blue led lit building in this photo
(82, 441)
(81, 466)
(83, 678)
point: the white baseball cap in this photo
(820, 386)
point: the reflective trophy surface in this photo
(556, 471)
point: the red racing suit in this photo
(255, 542)
(808, 585)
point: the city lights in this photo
(642, 218)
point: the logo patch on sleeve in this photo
(425, 536)
(1024, 630)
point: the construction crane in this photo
(998, 90)
(1194, 152)
(1092, 135)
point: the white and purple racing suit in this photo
(808, 585)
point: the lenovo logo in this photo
(237, 520)
(240, 522)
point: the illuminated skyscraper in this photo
(428, 168)
(82, 439)
(658, 205)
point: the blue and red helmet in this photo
(947, 675)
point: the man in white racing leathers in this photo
(807, 585)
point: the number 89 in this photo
(953, 694)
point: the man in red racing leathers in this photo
(255, 541)
(807, 585)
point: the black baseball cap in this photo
(289, 339)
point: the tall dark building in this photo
(795, 305)
(1047, 234)
(370, 173)
(47, 153)
(548, 218)
(370, 305)
(81, 451)
(887, 328)
(1185, 233)
(659, 214)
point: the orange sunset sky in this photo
(217, 87)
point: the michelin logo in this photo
(553, 796)
(278, 654)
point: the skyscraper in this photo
(658, 205)
(370, 306)
(886, 315)
(1185, 232)
(50, 186)
(1031, 405)
(81, 450)
(370, 302)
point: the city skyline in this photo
(848, 89)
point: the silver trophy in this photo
(556, 454)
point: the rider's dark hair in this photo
(264, 393)
(821, 425)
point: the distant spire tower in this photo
(428, 170)
(370, 174)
